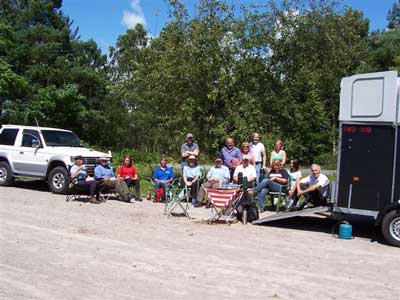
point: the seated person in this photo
(162, 176)
(216, 177)
(191, 176)
(127, 172)
(247, 170)
(295, 175)
(78, 172)
(105, 175)
(314, 187)
(273, 183)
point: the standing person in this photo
(278, 154)
(245, 150)
(230, 155)
(189, 148)
(314, 187)
(162, 176)
(128, 173)
(191, 177)
(216, 177)
(258, 150)
(78, 172)
(105, 174)
(276, 178)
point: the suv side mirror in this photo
(35, 143)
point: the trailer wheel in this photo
(391, 228)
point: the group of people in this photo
(248, 163)
(106, 180)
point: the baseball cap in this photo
(246, 157)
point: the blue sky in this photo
(105, 20)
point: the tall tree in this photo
(393, 16)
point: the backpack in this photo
(159, 194)
(250, 207)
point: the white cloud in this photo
(136, 16)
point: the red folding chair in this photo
(223, 201)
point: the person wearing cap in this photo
(105, 175)
(231, 155)
(191, 176)
(276, 178)
(189, 148)
(78, 173)
(248, 171)
(217, 176)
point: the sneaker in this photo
(94, 200)
(138, 199)
(126, 198)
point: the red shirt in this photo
(124, 172)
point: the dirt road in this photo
(51, 249)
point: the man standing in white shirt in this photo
(258, 150)
(314, 187)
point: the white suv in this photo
(41, 153)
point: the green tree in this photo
(393, 16)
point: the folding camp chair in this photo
(74, 192)
(281, 194)
(223, 201)
(177, 196)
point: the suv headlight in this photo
(72, 158)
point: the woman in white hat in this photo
(191, 177)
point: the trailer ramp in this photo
(292, 214)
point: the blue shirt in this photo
(228, 155)
(221, 173)
(81, 175)
(191, 172)
(101, 172)
(161, 174)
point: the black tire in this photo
(58, 180)
(6, 177)
(391, 227)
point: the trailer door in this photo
(366, 166)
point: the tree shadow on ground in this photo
(363, 227)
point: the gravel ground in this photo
(53, 249)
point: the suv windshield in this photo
(55, 138)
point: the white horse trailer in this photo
(368, 163)
(368, 168)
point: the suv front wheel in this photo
(58, 180)
(5, 174)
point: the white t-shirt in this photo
(322, 180)
(257, 151)
(294, 176)
(249, 171)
